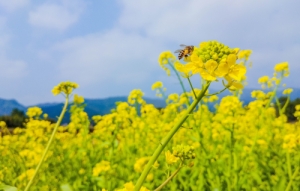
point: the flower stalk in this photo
(167, 139)
(48, 144)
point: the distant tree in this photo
(15, 119)
(16, 112)
(290, 109)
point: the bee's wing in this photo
(182, 45)
(177, 51)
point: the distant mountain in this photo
(6, 106)
(104, 106)
(93, 106)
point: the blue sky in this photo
(111, 47)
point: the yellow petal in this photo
(178, 66)
(222, 69)
(237, 85)
(194, 58)
(237, 72)
(205, 75)
(231, 59)
(211, 66)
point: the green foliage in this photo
(290, 109)
(15, 119)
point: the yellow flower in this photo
(135, 96)
(287, 91)
(233, 84)
(157, 85)
(258, 94)
(233, 72)
(155, 165)
(150, 177)
(183, 68)
(140, 163)
(26, 175)
(102, 166)
(164, 59)
(195, 64)
(129, 186)
(171, 158)
(283, 66)
(213, 98)
(34, 112)
(245, 54)
(78, 99)
(2, 124)
(64, 87)
(209, 72)
(263, 79)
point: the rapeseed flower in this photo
(244, 54)
(78, 99)
(140, 163)
(34, 112)
(64, 87)
(2, 124)
(183, 68)
(263, 79)
(287, 91)
(135, 96)
(129, 186)
(170, 158)
(164, 59)
(157, 85)
(283, 66)
(100, 167)
(232, 71)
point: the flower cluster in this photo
(213, 60)
(64, 87)
(135, 96)
(184, 152)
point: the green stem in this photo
(48, 144)
(285, 105)
(291, 180)
(192, 87)
(274, 93)
(169, 179)
(181, 83)
(218, 92)
(288, 163)
(167, 138)
(163, 94)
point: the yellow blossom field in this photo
(183, 146)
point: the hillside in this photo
(103, 106)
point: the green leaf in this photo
(66, 187)
(4, 187)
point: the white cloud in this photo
(128, 52)
(269, 28)
(113, 57)
(12, 69)
(56, 16)
(12, 5)
(193, 20)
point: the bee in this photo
(188, 50)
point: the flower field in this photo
(183, 146)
